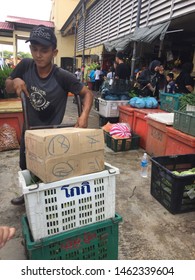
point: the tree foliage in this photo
(8, 54)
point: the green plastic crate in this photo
(98, 241)
(170, 102)
(185, 122)
(120, 145)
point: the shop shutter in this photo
(106, 20)
(109, 20)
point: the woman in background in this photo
(184, 82)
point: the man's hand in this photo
(87, 102)
(151, 87)
(6, 233)
(82, 121)
(17, 86)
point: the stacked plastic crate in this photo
(72, 218)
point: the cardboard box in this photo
(61, 153)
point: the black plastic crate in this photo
(96, 104)
(104, 120)
(172, 190)
(120, 145)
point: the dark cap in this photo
(42, 35)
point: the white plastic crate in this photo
(109, 108)
(190, 108)
(67, 204)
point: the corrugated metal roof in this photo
(6, 26)
(28, 21)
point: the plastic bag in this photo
(107, 127)
(140, 103)
(120, 130)
(148, 102)
(8, 138)
(133, 100)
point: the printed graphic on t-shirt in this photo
(38, 100)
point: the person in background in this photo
(170, 86)
(92, 78)
(6, 233)
(98, 79)
(184, 82)
(110, 75)
(149, 80)
(46, 87)
(161, 78)
(122, 70)
(78, 74)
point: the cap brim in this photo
(39, 41)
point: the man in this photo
(46, 87)
(122, 70)
(120, 85)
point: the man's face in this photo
(42, 55)
(117, 60)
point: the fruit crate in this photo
(171, 190)
(63, 205)
(185, 122)
(120, 145)
(170, 102)
(98, 241)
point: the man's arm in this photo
(87, 102)
(16, 85)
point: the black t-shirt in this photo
(122, 71)
(48, 96)
(184, 79)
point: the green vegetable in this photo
(184, 173)
(187, 99)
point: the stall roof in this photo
(141, 34)
(149, 33)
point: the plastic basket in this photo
(185, 122)
(67, 204)
(120, 145)
(98, 241)
(96, 104)
(171, 190)
(170, 102)
(109, 108)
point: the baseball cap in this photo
(43, 35)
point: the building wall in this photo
(61, 10)
(108, 20)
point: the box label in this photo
(76, 190)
